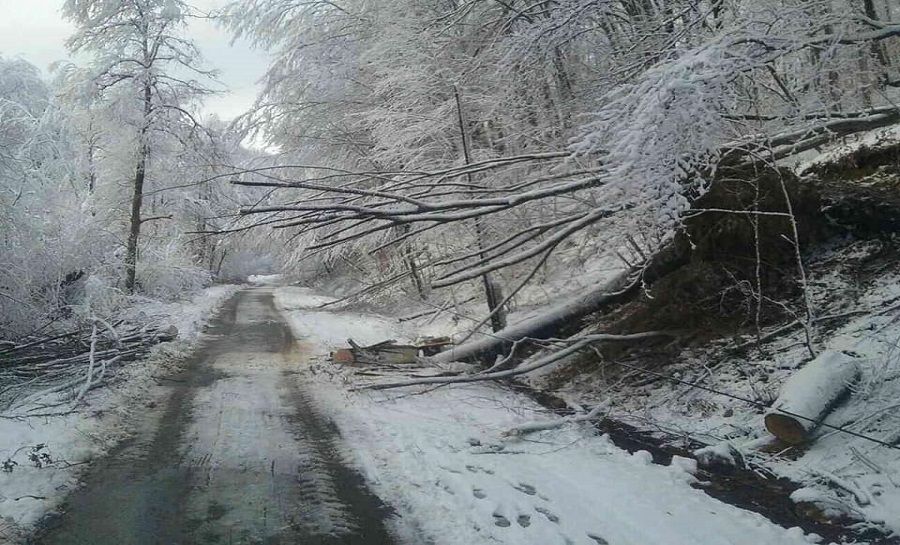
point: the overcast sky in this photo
(35, 31)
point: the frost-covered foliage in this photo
(634, 103)
(68, 148)
(146, 73)
(46, 240)
(590, 125)
(661, 132)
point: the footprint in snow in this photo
(598, 539)
(522, 520)
(526, 489)
(446, 488)
(479, 493)
(550, 516)
(476, 469)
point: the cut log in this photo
(432, 345)
(343, 355)
(809, 395)
(385, 352)
(395, 354)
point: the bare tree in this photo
(138, 46)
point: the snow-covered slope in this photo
(845, 475)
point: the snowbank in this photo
(843, 474)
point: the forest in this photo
(672, 221)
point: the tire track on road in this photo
(239, 455)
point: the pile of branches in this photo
(71, 363)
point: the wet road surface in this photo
(238, 455)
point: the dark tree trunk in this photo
(92, 171)
(137, 196)
(490, 291)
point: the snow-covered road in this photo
(236, 456)
(260, 440)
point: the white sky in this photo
(35, 31)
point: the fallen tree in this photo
(575, 345)
(655, 146)
(545, 325)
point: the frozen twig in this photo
(90, 371)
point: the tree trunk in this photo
(92, 170)
(497, 321)
(495, 298)
(137, 196)
(877, 49)
(409, 256)
(546, 324)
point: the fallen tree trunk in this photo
(809, 395)
(579, 343)
(623, 288)
(547, 324)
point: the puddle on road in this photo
(240, 456)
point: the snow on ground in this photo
(444, 461)
(331, 329)
(27, 492)
(843, 474)
(444, 452)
